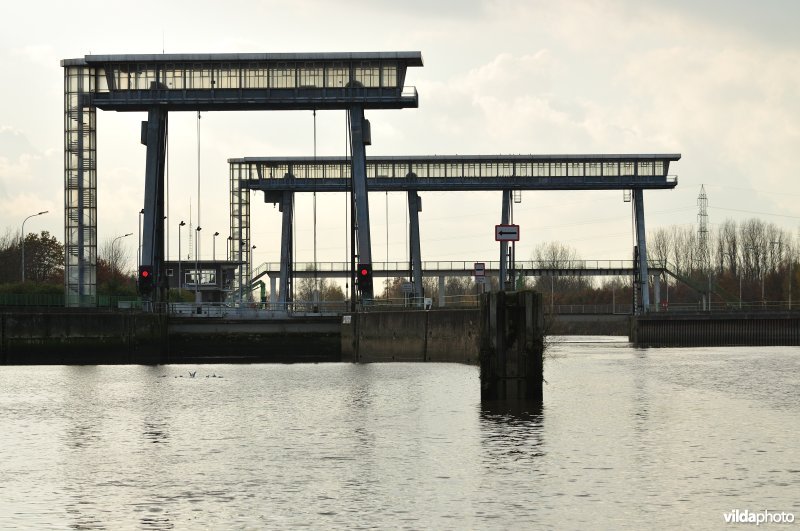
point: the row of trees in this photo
(753, 256)
(752, 248)
(752, 259)
(44, 261)
(44, 265)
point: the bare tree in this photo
(116, 255)
(658, 245)
(728, 244)
(556, 255)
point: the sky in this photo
(716, 81)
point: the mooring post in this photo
(512, 346)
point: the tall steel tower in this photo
(704, 258)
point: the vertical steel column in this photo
(360, 137)
(286, 206)
(657, 291)
(273, 298)
(505, 218)
(414, 208)
(641, 242)
(155, 138)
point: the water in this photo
(626, 438)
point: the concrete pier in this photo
(512, 346)
(721, 329)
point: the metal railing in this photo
(463, 266)
(728, 307)
(590, 309)
(57, 300)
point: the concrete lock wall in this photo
(93, 338)
(716, 330)
(80, 338)
(443, 335)
(297, 340)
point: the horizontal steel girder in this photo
(255, 99)
(456, 269)
(379, 184)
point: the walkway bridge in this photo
(280, 177)
(453, 268)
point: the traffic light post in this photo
(145, 279)
(365, 280)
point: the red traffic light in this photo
(365, 278)
(145, 279)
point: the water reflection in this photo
(512, 430)
(155, 431)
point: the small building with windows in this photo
(213, 279)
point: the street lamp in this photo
(180, 274)
(228, 248)
(197, 265)
(23, 240)
(241, 273)
(139, 248)
(250, 287)
(214, 246)
(788, 259)
(112, 258)
(741, 267)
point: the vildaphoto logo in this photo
(758, 517)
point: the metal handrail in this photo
(461, 265)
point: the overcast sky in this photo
(717, 82)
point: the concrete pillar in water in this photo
(512, 346)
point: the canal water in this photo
(626, 439)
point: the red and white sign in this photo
(506, 233)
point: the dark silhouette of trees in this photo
(44, 259)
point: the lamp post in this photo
(241, 272)
(23, 240)
(250, 287)
(113, 258)
(180, 274)
(214, 246)
(197, 265)
(139, 246)
(228, 248)
(789, 260)
(740, 284)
